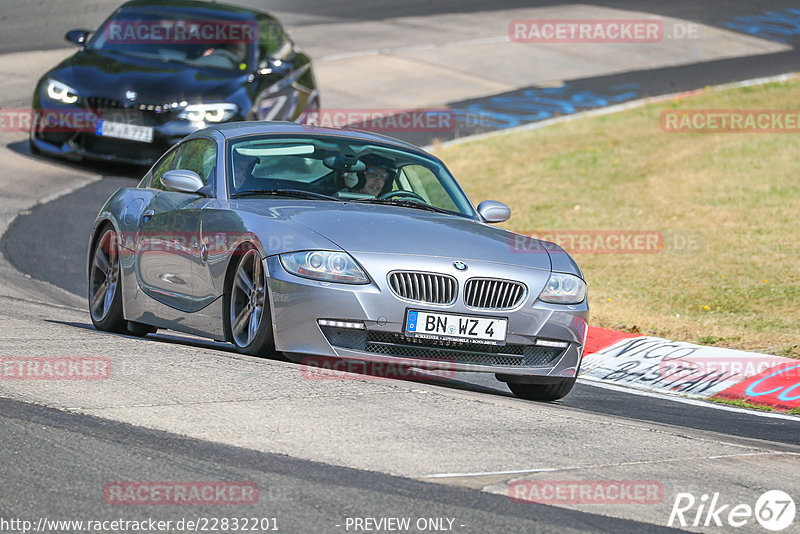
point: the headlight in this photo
(324, 265)
(61, 92)
(563, 289)
(208, 112)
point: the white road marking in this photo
(598, 466)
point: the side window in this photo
(200, 156)
(271, 39)
(163, 166)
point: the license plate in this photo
(120, 130)
(445, 326)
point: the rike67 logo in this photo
(774, 510)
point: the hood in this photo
(397, 230)
(110, 75)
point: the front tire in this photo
(248, 315)
(34, 149)
(542, 392)
(105, 291)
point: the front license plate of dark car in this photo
(130, 132)
(452, 327)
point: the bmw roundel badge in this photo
(460, 265)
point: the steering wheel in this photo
(403, 193)
(223, 54)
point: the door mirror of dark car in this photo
(182, 181)
(77, 37)
(493, 211)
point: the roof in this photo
(200, 7)
(239, 129)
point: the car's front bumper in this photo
(69, 131)
(298, 304)
(82, 144)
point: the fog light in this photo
(554, 344)
(341, 324)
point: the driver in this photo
(243, 167)
(376, 179)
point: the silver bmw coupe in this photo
(335, 244)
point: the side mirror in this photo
(182, 181)
(493, 211)
(77, 37)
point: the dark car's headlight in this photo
(209, 112)
(563, 289)
(324, 265)
(60, 92)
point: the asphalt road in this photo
(41, 25)
(295, 495)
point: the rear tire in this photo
(248, 318)
(542, 392)
(105, 290)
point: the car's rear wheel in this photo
(543, 392)
(105, 293)
(249, 319)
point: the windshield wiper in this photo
(294, 193)
(406, 204)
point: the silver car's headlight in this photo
(563, 289)
(324, 265)
(60, 92)
(208, 112)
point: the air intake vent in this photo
(424, 287)
(97, 102)
(492, 294)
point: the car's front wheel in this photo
(105, 294)
(248, 319)
(543, 392)
(34, 149)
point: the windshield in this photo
(206, 43)
(342, 169)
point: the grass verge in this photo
(752, 405)
(726, 204)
